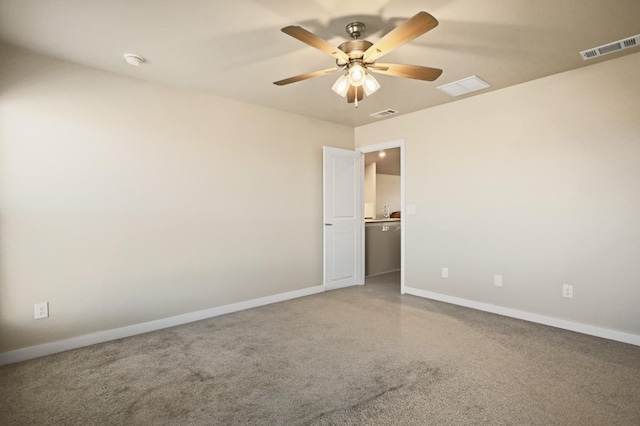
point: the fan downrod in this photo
(355, 29)
(356, 47)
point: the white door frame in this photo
(403, 211)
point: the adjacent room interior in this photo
(382, 212)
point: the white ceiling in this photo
(235, 48)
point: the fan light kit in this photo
(357, 58)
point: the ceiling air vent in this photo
(384, 113)
(610, 48)
(464, 86)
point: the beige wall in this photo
(124, 201)
(540, 183)
(370, 184)
(387, 192)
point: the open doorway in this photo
(384, 202)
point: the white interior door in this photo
(343, 217)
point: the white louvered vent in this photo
(611, 47)
(464, 86)
(384, 113)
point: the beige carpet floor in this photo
(356, 356)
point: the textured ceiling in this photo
(235, 49)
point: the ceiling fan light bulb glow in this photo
(357, 75)
(370, 85)
(341, 86)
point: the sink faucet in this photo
(385, 211)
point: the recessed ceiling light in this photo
(133, 59)
(382, 154)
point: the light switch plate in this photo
(497, 280)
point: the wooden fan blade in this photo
(351, 94)
(413, 28)
(315, 41)
(305, 76)
(407, 71)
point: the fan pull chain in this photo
(356, 87)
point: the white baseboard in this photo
(145, 327)
(119, 333)
(591, 330)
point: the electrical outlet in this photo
(445, 272)
(41, 310)
(567, 291)
(497, 280)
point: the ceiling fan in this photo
(358, 57)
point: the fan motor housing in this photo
(355, 48)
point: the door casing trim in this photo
(400, 143)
